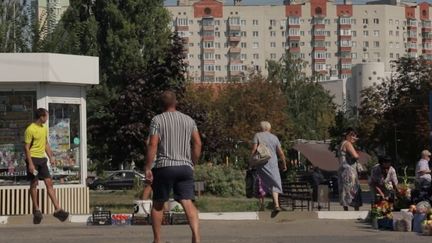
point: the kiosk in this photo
(57, 83)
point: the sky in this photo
(249, 2)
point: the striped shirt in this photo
(175, 132)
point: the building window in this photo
(365, 43)
(243, 56)
(365, 33)
(243, 33)
(376, 44)
(366, 55)
(182, 22)
(391, 55)
(255, 45)
(218, 68)
(272, 55)
(255, 22)
(283, 33)
(217, 45)
(365, 21)
(293, 20)
(218, 56)
(302, 33)
(272, 22)
(397, 33)
(243, 45)
(217, 34)
(391, 44)
(376, 21)
(217, 22)
(272, 44)
(391, 33)
(273, 33)
(208, 44)
(354, 55)
(354, 44)
(390, 21)
(376, 32)
(396, 22)
(354, 33)
(209, 67)
(255, 33)
(256, 56)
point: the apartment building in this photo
(226, 42)
(48, 12)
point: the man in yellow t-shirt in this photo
(36, 145)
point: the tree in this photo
(15, 31)
(395, 112)
(139, 57)
(310, 108)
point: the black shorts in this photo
(41, 165)
(178, 178)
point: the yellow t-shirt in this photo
(36, 136)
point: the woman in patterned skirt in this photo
(349, 187)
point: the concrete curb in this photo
(263, 216)
(229, 216)
(342, 214)
(4, 219)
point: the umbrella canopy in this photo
(320, 155)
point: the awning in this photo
(320, 155)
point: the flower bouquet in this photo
(381, 215)
(427, 224)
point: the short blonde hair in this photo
(265, 125)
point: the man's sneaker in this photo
(37, 217)
(61, 215)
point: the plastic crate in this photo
(140, 219)
(101, 218)
(121, 219)
(179, 218)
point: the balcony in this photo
(319, 48)
(209, 73)
(234, 38)
(235, 50)
(345, 48)
(234, 27)
(345, 61)
(182, 28)
(345, 71)
(294, 49)
(412, 23)
(208, 38)
(236, 61)
(208, 28)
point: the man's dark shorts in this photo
(178, 178)
(41, 165)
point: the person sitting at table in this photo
(383, 181)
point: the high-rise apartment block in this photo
(48, 13)
(225, 42)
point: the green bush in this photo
(221, 180)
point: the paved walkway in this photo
(294, 231)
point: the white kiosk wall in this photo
(57, 83)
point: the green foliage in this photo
(139, 57)
(15, 28)
(394, 114)
(310, 108)
(221, 180)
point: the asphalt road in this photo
(315, 231)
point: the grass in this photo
(122, 202)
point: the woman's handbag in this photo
(251, 183)
(261, 157)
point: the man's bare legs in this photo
(33, 193)
(51, 193)
(192, 215)
(157, 215)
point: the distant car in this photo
(118, 180)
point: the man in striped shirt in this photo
(171, 135)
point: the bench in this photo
(296, 195)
